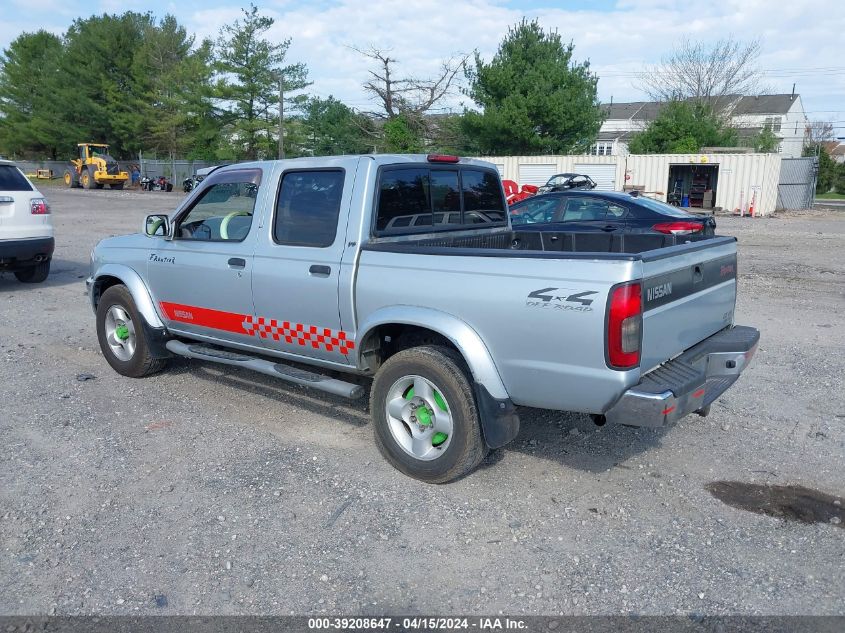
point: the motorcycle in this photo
(156, 184)
(191, 183)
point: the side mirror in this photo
(157, 225)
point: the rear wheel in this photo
(120, 331)
(425, 420)
(34, 274)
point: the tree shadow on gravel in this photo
(572, 440)
(63, 272)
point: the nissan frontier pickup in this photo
(404, 273)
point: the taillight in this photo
(624, 326)
(678, 228)
(443, 158)
(39, 206)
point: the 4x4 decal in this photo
(560, 299)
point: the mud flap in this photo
(499, 420)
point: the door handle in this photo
(319, 271)
(697, 274)
(237, 262)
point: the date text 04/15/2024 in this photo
(416, 623)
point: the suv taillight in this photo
(39, 206)
(678, 228)
(624, 326)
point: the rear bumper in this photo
(688, 383)
(25, 252)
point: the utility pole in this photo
(281, 116)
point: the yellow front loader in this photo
(94, 168)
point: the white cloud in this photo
(618, 42)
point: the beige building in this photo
(723, 181)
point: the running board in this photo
(295, 375)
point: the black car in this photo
(565, 182)
(608, 212)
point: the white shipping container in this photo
(741, 177)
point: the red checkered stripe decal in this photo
(298, 333)
(260, 327)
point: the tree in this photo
(99, 93)
(447, 136)
(29, 76)
(706, 71)
(535, 98)
(817, 133)
(250, 69)
(402, 136)
(411, 97)
(331, 127)
(172, 88)
(827, 168)
(839, 178)
(766, 141)
(406, 101)
(683, 127)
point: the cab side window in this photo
(307, 208)
(224, 211)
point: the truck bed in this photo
(533, 243)
(548, 333)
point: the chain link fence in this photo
(174, 170)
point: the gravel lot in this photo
(209, 491)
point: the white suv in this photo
(26, 229)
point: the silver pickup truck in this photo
(324, 271)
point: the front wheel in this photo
(425, 420)
(86, 179)
(120, 331)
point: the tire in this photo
(86, 179)
(138, 362)
(117, 185)
(71, 178)
(34, 274)
(443, 369)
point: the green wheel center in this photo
(424, 415)
(121, 332)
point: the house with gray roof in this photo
(782, 113)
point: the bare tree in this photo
(411, 97)
(818, 132)
(704, 71)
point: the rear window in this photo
(307, 208)
(11, 179)
(425, 199)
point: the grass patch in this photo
(831, 196)
(47, 182)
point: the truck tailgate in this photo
(687, 296)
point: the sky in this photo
(803, 42)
